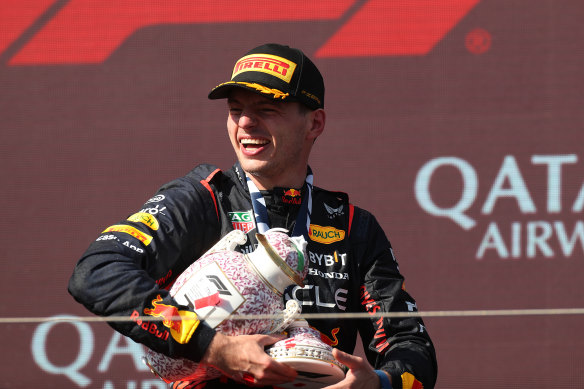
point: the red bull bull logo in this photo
(182, 324)
(167, 312)
(330, 341)
(292, 196)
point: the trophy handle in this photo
(290, 313)
(229, 242)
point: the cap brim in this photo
(222, 91)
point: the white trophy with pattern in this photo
(224, 282)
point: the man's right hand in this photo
(243, 359)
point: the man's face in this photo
(269, 137)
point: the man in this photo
(275, 99)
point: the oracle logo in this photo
(89, 31)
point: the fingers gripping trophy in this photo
(224, 282)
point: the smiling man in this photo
(275, 100)
(272, 139)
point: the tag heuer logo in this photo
(242, 221)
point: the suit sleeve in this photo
(126, 271)
(400, 346)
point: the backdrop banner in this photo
(457, 123)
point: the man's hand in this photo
(243, 359)
(360, 374)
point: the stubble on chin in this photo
(254, 168)
(262, 170)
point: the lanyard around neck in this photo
(302, 225)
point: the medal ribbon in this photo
(260, 211)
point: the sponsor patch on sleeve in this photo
(142, 237)
(145, 218)
(182, 324)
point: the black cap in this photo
(278, 72)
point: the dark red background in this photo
(102, 102)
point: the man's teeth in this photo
(253, 142)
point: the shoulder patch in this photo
(145, 218)
(142, 237)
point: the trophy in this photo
(224, 282)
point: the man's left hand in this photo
(360, 374)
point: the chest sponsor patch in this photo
(292, 196)
(242, 221)
(326, 235)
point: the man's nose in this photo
(246, 120)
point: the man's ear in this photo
(317, 119)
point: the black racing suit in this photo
(129, 269)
